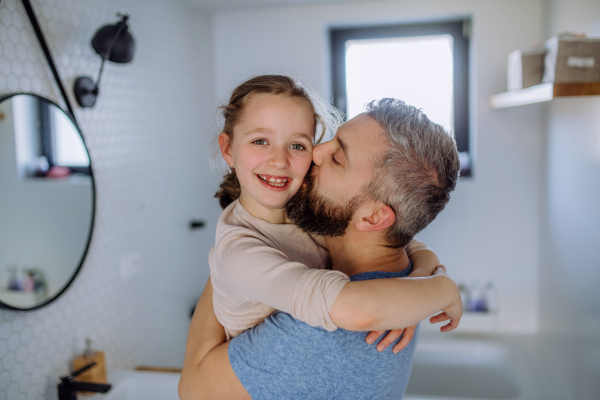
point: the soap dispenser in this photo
(96, 374)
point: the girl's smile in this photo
(277, 183)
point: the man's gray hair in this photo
(416, 174)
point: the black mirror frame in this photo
(91, 231)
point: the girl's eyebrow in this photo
(268, 131)
(303, 135)
(258, 130)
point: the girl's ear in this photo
(225, 146)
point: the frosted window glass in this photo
(69, 148)
(417, 70)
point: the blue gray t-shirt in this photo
(284, 358)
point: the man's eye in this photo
(334, 160)
(297, 146)
(260, 141)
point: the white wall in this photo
(147, 137)
(490, 229)
(570, 279)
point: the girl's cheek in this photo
(303, 161)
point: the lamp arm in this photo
(100, 74)
(122, 28)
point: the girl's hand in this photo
(391, 337)
(453, 312)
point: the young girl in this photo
(261, 263)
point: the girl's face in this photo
(271, 151)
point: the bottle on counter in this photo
(464, 296)
(491, 297)
(13, 282)
(477, 302)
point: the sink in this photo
(140, 385)
(466, 370)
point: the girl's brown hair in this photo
(230, 189)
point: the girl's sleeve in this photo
(415, 246)
(250, 268)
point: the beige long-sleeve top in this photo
(257, 268)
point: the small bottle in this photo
(477, 302)
(14, 283)
(464, 296)
(491, 297)
(28, 282)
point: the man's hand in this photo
(453, 312)
(391, 337)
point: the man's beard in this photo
(318, 215)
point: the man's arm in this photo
(205, 334)
(215, 378)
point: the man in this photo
(383, 178)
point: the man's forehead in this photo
(361, 134)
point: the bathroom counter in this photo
(543, 366)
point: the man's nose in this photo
(279, 159)
(318, 153)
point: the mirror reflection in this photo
(46, 201)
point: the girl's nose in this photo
(279, 159)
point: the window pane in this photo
(69, 147)
(417, 70)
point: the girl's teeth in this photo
(274, 182)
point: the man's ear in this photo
(225, 146)
(374, 216)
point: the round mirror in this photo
(47, 201)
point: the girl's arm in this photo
(250, 268)
(396, 303)
(424, 260)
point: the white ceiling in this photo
(212, 6)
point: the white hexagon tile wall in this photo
(147, 137)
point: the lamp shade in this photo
(123, 49)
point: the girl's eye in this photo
(297, 146)
(260, 142)
(334, 160)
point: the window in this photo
(425, 65)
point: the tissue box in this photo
(525, 68)
(572, 59)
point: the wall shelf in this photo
(544, 92)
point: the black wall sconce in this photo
(113, 43)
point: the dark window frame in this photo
(460, 32)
